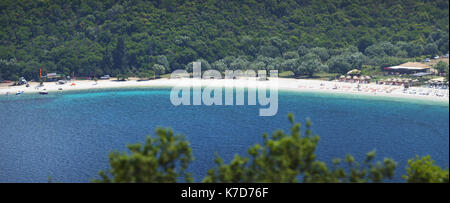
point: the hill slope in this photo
(84, 37)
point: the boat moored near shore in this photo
(44, 91)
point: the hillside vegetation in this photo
(92, 38)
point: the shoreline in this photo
(296, 85)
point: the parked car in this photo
(436, 57)
(105, 77)
(445, 56)
(426, 60)
(22, 81)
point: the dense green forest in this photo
(92, 38)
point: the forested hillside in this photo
(93, 37)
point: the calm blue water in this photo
(67, 136)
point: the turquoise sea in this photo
(68, 136)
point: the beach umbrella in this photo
(355, 77)
(349, 77)
(354, 72)
(382, 80)
(439, 79)
(342, 77)
(368, 78)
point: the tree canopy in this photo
(161, 159)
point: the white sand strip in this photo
(283, 84)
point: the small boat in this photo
(19, 92)
(60, 88)
(43, 92)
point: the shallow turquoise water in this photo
(67, 136)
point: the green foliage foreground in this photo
(281, 158)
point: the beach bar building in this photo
(409, 68)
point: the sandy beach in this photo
(282, 83)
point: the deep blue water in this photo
(67, 136)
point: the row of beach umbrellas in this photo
(433, 82)
(399, 80)
(356, 77)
